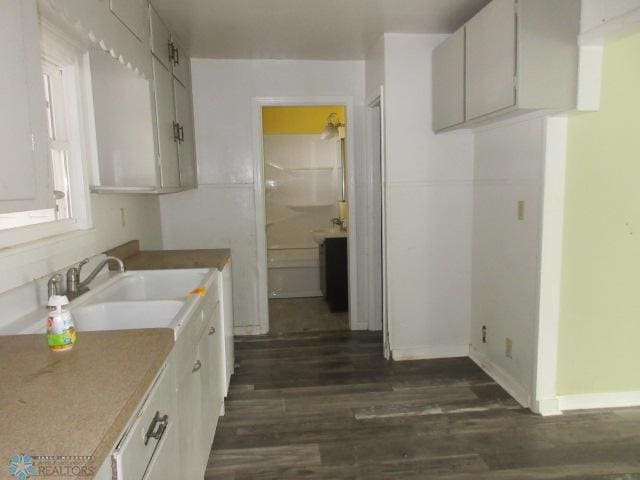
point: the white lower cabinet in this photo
(151, 431)
(170, 436)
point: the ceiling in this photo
(305, 29)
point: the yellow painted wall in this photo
(298, 120)
(599, 349)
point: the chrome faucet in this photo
(75, 287)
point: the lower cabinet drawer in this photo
(153, 426)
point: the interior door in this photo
(166, 131)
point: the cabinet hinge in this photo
(33, 142)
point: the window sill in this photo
(62, 232)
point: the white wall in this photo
(509, 167)
(221, 212)
(429, 194)
(22, 264)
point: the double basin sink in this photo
(138, 299)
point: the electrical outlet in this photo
(484, 334)
(520, 209)
(508, 350)
(123, 218)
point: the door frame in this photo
(260, 203)
(377, 100)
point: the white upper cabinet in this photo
(180, 59)
(24, 163)
(161, 45)
(167, 127)
(186, 141)
(448, 82)
(519, 56)
(491, 59)
(133, 13)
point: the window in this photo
(61, 61)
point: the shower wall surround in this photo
(302, 174)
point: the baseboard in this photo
(428, 352)
(599, 400)
(247, 330)
(506, 381)
(546, 407)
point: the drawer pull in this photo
(157, 427)
(196, 366)
(212, 330)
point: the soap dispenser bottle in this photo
(61, 331)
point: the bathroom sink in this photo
(152, 285)
(320, 235)
(126, 315)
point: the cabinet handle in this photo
(196, 366)
(172, 52)
(176, 132)
(212, 330)
(180, 133)
(176, 59)
(157, 428)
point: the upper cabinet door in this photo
(24, 163)
(186, 147)
(181, 68)
(448, 82)
(491, 59)
(133, 13)
(161, 45)
(167, 130)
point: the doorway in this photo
(377, 239)
(303, 184)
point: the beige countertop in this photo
(77, 402)
(136, 259)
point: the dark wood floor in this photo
(327, 406)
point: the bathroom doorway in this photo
(306, 213)
(303, 186)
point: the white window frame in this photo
(61, 48)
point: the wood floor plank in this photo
(326, 405)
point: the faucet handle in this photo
(82, 263)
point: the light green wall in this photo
(599, 348)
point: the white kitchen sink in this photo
(126, 315)
(134, 299)
(153, 285)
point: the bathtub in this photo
(293, 273)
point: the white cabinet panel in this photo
(165, 463)
(135, 451)
(181, 67)
(24, 163)
(133, 13)
(209, 350)
(123, 121)
(186, 146)
(189, 393)
(226, 310)
(448, 81)
(160, 39)
(491, 59)
(166, 131)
